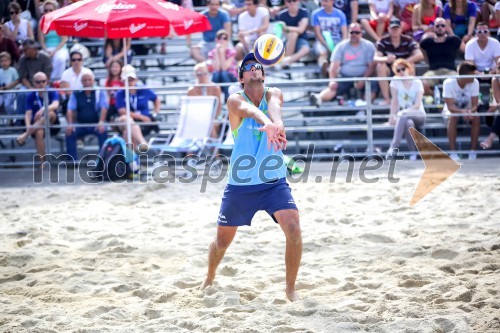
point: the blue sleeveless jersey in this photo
(252, 163)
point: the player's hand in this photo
(272, 131)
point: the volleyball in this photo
(269, 49)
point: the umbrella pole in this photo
(127, 94)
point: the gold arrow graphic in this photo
(438, 166)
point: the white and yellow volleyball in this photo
(269, 49)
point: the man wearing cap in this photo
(393, 46)
(86, 107)
(32, 62)
(257, 173)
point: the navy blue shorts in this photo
(240, 203)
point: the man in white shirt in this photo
(251, 24)
(461, 96)
(483, 50)
(72, 77)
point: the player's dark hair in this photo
(466, 67)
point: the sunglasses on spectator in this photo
(48, 10)
(440, 25)
(201, 73)
(248, 67)
(14, 13)
(482, 31)
(355, 32)
(76, 59)
(224, 37)
(401, 70)
(40, 81)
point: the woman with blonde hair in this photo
(424, 14)
(407, 109)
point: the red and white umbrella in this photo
(124, 19)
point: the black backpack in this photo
(114, 163)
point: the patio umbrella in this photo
(124, 19)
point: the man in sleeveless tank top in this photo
(257, 173)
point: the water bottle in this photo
(437, 96)
(328, 39)
(278, 29)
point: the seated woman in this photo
(460, 16)
(424, 14)
(407, 109)
(113, 50)
(205, 87)
(17, 29)
(139, 108)
(35, 114)
(113, 80)
(380, 13)
(223, 58)
(54, 45)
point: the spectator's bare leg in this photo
(383, 71)
(216, 251)
(135, 130)
(40, 143)
(196, 54)
(291, 42)
(452, 132)
(328, 94)
(296, 56)
(240, 52)
(474, 132)
(366, 25)
(380, 29)
(427, 87)
(289, 222)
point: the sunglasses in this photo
(76, 59)
(355, 32)
(201, 73)
(40, 81)
(14, 13)
(248, 67)
(401, 70)
(48, 10)
(222, 37)
(481, 32)
(440, 25)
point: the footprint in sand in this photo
(228, 271)
(17, 277)
(444, 254)
(377, 238)
(98, 311)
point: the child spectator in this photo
(9, 79)
(114, 80)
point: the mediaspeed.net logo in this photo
(211, 169)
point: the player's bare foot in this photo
(292, 295)
(206, 283)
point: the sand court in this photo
(131, 258)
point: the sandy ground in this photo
(130, 258)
